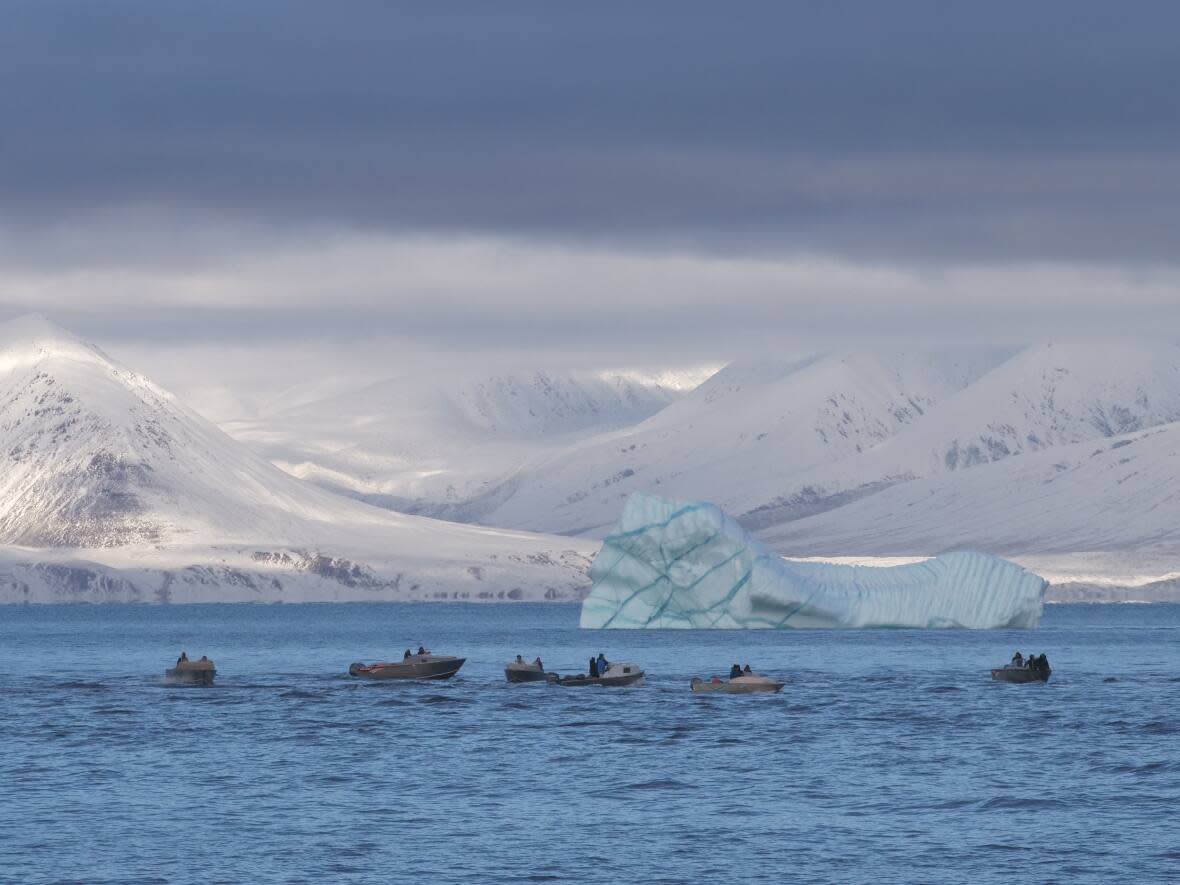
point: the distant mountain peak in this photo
(32, 337)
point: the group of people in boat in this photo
(1037, 663)
(536, 662)
(183, 659)
(735, 671)
(421, 650)
(599, 666)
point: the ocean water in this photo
(889, 756)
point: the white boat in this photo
(616, 675)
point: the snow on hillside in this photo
(423, 444)
(1058, 455)
(861, 454)
(737, 437)
(1119, 494)
(100, 459)
(1046, 396)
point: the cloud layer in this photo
(670, 179)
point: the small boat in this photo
(1034, 671)
(522, 671)
(188, 672)
(738, 684)
(421, 666)
(615, 675)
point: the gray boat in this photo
(1034, 669)
(421, 666)
(187, 672)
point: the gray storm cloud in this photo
(664, 179)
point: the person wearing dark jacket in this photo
(735, 671)
(593, 669)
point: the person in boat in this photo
(735, 671)
(519, 659)
(603, 664)
(422, 650)
(204, 658)
(1018, 660)
(537, 663)
(407, 655)
(1042, 665)
(593, 669)
(183, 659)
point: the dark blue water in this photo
(889, 756)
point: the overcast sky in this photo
(372, 183)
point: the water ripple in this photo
(897, 757)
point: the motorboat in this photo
(747, 684)
(419, 666)
(616, 675)
(1034, 670)
(523, 671)
(188, 672)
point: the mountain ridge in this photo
(97, 458)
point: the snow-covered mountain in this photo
(1112, 495)
(110, 487)
(1043, 397)
(738, 438)
(1059, 454)
(426, 443)
(893, 454)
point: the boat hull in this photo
(415, 667)
(1020, 675)
(745, 685)
(619, 681)
(190, 676)
(524, 674)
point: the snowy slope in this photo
(1046, 396)
(899, 455)
(1118, 495)
(738, 438)
(97, 457)
(422, 444)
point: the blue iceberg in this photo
(688, 565)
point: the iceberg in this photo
(672, 564)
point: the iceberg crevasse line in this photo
(689, 565)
